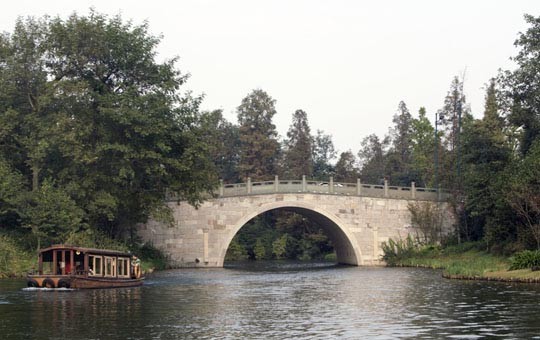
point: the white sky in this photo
(346, 63)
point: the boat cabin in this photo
(66, 266)
(62, 260)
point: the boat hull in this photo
(80, 282)
(90, 283)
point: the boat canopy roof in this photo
(86, 250)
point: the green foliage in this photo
(372, 160)
(346, 169)
(51, 214)
(399, 157)
(92, 238)
(486, 154)
(14, 261)
(11, 193)
(525, 259)
(423, 148)
(93, 130)
(426, 219)
(282, 235)
(236, 252)
(259, 147)
(521, 85)
(152, 258)
(299, 147)
(466, 259)
(259, 250)
(279, 246)
(323, 155)
(395, 251)
(524, 194)
(223, 140)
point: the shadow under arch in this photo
(344, 241)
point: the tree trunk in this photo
(35, 177)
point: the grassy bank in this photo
(465, 261)
(16, 262)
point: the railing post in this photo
(413, 190)
(331, 185)
(385, 187)
(221, 189)
(248, 185)
(358, 187)
(439, 193)
(276, 183)
(304, 184)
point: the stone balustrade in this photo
(330, 187)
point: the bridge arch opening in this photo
(344, 242)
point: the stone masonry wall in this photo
(200, 237)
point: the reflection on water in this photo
(276, 300)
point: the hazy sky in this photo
(346, 63)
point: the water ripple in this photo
(279, 300)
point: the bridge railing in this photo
(331, 187)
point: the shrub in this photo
(394, 251)
(525, 259)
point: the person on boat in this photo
(136, 266)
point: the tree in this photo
(346, 170)
(279, 246)
(372, 160)
(51, 214)
(486, 153)
(400, 153)
(524, 194)
(223, 141)
(12, 189)
(86, 108)
(258, 137)
(323, 155)
(299, 147)
(453, 116)
(520, 86)
(423, 148)
(426, 220)
(259, 250)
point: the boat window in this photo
(123, 267)
(47, 263)
(47, 268)
(95, 265)
(110, 266)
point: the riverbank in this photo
(466, 262)
(16, 262)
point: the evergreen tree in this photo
(423, 149)
(223, 141)
(346, 170)
(454, 114)
(399, 157)
(323, 155)
(372, 160)
(259, 147)
(299, 147)
(520, 86)
(486, 154)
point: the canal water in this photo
(277, 300)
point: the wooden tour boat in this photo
(63, 266)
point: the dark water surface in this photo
(277, 300)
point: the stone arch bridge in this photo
(356, 217)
